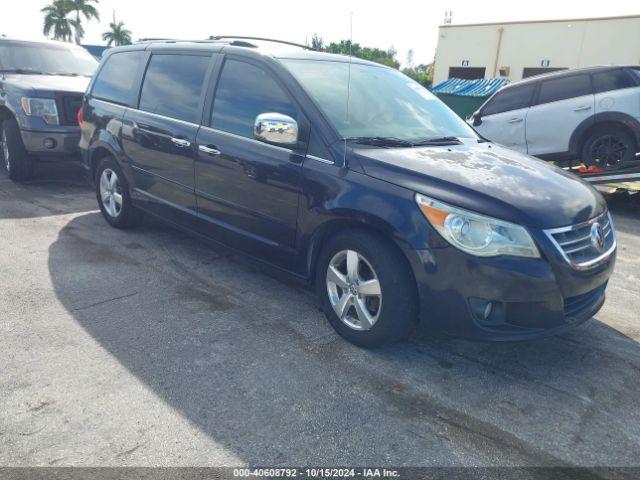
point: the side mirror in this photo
(276, 128)
(477, 119)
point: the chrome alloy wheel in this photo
(5, 151)
(110, 192)
(354, 290)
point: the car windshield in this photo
(383, 103)
(42, 58)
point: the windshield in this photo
(44, 58)
(383, 103)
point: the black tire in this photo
(15, 159)
(127, 216)
(609, 148)
(398, 308)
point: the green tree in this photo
(57, 21)
(423, 74)
(84, 8)
(117, 35)
(317, 43)
(384, 57)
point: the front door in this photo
(503, 117)
(159, 138)
(247, 190)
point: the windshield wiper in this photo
(382, 141)
(23, 71)
(440, 141)
(69, 74)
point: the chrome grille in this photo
(578, 245)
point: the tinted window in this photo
(563, 88)
(116, 80)
(613, 80)
(512, 98)
(244, 92)
(172, 86)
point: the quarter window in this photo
(612, 80)
(116, 81)
(511, 98)
(557, 89)
(245, 91)
(173, 85)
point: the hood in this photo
(43, 84)
(488, 179)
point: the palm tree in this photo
(82, 7)
(55, 18)
(117, 34)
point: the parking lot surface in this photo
(148, 347)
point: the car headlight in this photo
(41, 107)
(477, 234)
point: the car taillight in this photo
(80, 117)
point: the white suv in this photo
(590, 114)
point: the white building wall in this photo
(564, 44)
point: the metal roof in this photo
(470, 88)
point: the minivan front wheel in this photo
(366, 289)
(112, 192)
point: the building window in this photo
(533, 71)
(468, 73)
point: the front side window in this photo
(172, 86)
(380, 102)
(613, 80)
(245, 91)
(116, 81)
(557, 89)
(512, 98)
(43, 58)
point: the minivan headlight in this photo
(477, 234)
(41, 107)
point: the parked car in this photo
(393, 207)
(41, 87)
(591, 115)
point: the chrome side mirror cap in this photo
(276, 128)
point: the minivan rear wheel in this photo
(366, 289)
(114, 199)
(608, 148)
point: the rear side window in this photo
(245, 91)
(172, 86)
(557, 89)
(613, 80)
(512, 98)
(116, 81)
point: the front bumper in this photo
(530, 298)
(64, 143)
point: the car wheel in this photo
(366, 289)
(15, 159)
(114, 199)
(608, 148)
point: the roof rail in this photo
(239, 37)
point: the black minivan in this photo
(351, 176)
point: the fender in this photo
(618, 117)
(106, 142)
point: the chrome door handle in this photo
(515, 120)
(181, 142)
(582, 108)
(209, 150)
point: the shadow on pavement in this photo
(252, 363)
(55, 189)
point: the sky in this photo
(402, 24)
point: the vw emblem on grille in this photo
(597, 237)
